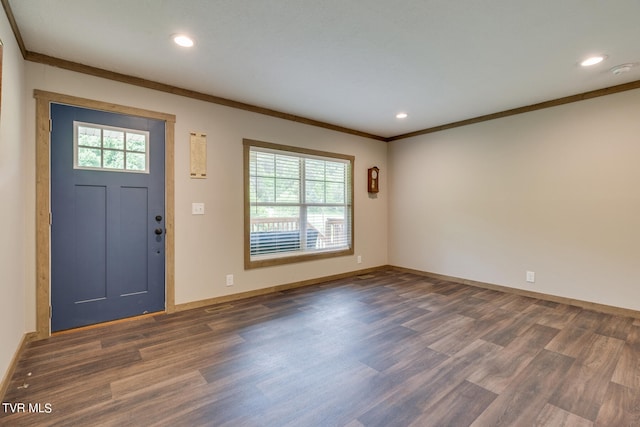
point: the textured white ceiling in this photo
(352, 63)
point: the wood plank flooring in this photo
(385, 349)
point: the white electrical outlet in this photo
(359, 259)
(229, 279)
(531, 276)
(197, 208)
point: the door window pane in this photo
(113, 159)
(89, 157)
(136, 161)
(113, 139)
(136, 142)
(89, 137)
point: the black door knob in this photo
(158, 231)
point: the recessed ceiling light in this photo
(402, 116)
(182, 40)
(593, 60)
(623, 68)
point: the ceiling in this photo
(350, 63)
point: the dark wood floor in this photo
(386, 349)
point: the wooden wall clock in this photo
(373, 177)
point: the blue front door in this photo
(107, 228)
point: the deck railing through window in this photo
(281, 234)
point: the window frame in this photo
(76, 147)
(298, 256)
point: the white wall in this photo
(555, 191)
(14, 191)
(209, 247)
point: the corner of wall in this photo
(14, 195)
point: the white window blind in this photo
(299, 203)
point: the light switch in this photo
(197, 208)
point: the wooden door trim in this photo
(43, 194)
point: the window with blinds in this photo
(298, 204)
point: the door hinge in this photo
(50, 312)
(50, 218)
